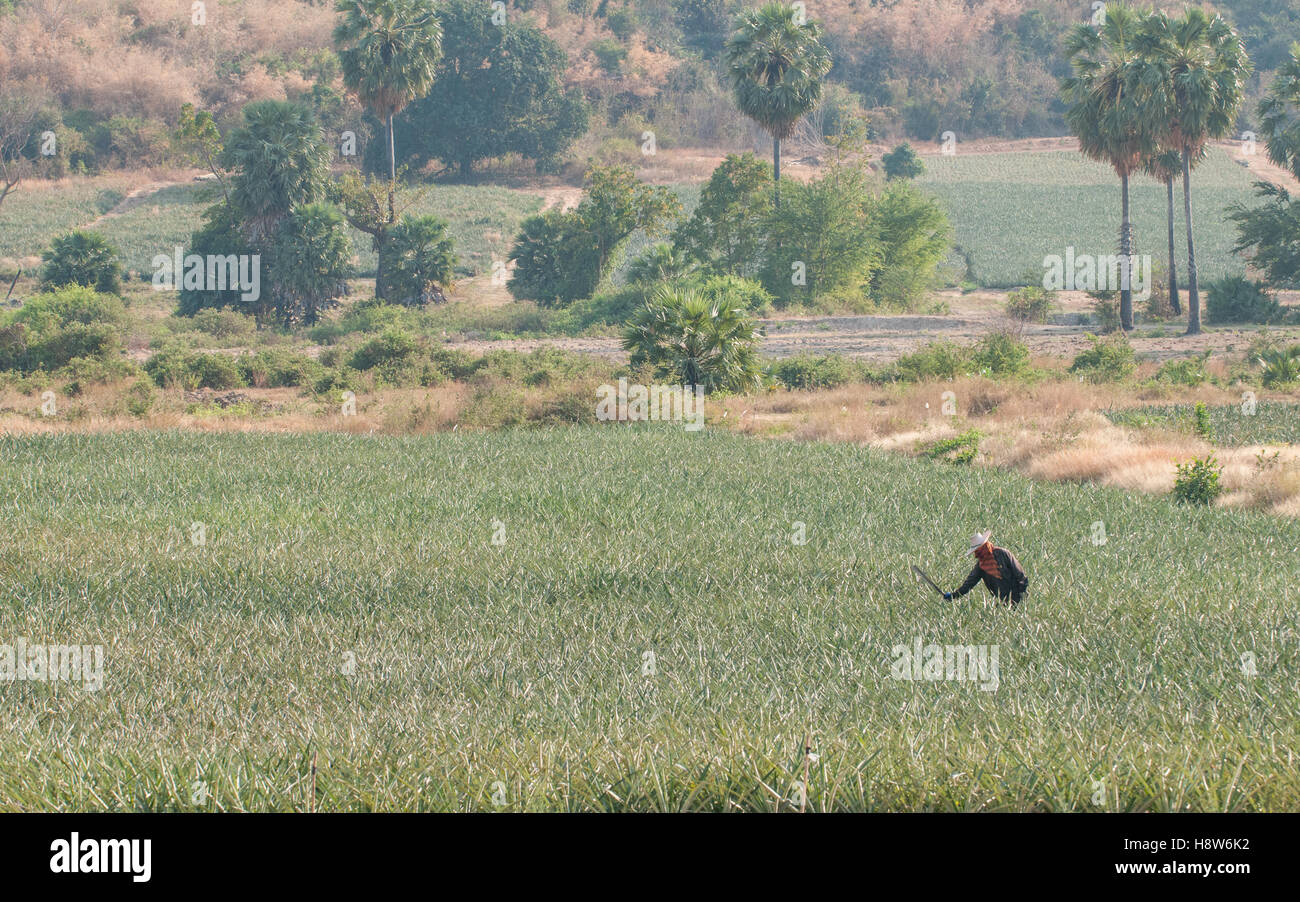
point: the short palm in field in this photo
(646, 634)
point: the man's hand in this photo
(947, 596)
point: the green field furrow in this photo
(646, 636)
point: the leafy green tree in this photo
(914, 236)
(703, 24)
(497, 90)
(776, 62)
(902, 163)
(1106, 112)
(82, 258)
(423, 261)
(727, 231)
(219, 235)
(561, 257)
(198, 138)
(687, 338)
(279, 159)
(388, 50)
(1270, 233)
(826, 235)
(1195, 72)
(311, 260)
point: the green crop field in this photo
(644, 633)
(1010, 210)
(37, 213)
(1271, 422)
(483, 220)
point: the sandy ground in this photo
(885, 338)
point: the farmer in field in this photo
(1001, 572)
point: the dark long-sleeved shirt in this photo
(1013, 584)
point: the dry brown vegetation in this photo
(145, 57)
(1053, 430)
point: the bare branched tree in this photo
(16, 119)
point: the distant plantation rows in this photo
(644, 635)
(1009, 211)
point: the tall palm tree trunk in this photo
(776, 171)
(392, 151)
(1193, 294)
(1126, 260)
(1173, 268)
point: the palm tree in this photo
(776, 65)
(280, 161)
(388, 50)
(1195, 70)
(1164, 168)
(1279, 120)
(1105, 113)
(660, 263)
(687, 338)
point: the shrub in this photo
(218, 371)
(224, 324)
(1234, 299)
(277, 368)
(82, 258)
(1201, 422)
(174, 366)
(1108, 360)
(1281, 367)
(937, 360)
(139, 397)
(1029, 305)
(961, 449)
(1105, 311)
(807, 372)
(1189, 371)
(738, 293)
(914, 235)
(72, 304)
(902, 163)
(609, 55)
(688, 340)
(1197, 481)
(420, 261)
(1001, 354)
(390, 347)
(61, 346)
(13, 347)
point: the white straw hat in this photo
(979, 539)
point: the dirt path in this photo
(139, 195)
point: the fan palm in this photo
(776, 62)
(280, 162)
(388, 50)
(1279, 120)
(660, 263)
(1194, 74)
(1106, 114)
(687, 338)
